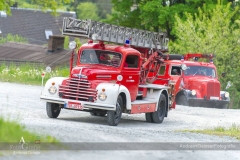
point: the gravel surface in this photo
(22, 102)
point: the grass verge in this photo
(233, 131)
(29, 74)
(11, 131)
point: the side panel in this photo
(154, 94)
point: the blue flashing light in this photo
(127, 41)
(196, 58)
(211, 61)
(182, 58)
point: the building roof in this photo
(31, 24)
(19, 52)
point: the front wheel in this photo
(53, 110)
(158, 116)
(114, 117)
(182, 100)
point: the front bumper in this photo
(200, 102)
(85, 105)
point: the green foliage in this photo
(66, 42)
(12, 131)
(5, 5)
(213, 31)
(87, 10)
(232, 131)
(154, 15)
(77, 40)
(103, 7)
(42, 4)
(29, 74)
(13, 38)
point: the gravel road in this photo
(22, 103)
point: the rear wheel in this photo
(158, 116)
(114, 117)
(182, 100)
(148, 117)
(93, 113)
(101, 114)
(53, 110)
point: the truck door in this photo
(131, 74)
(175, 77)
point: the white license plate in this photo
(74, 105)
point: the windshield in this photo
(200, 70)
(100, 57)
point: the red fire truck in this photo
(199, 84)
(111, 79)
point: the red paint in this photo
(143, 108)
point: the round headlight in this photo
(72, 45)
(193, 92)
(52, 90)
(102, 96)
(226, 94)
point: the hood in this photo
(94, 72)
(198, 82)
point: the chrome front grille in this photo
(78, 89)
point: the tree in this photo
(43, 4)
(104, 7)
(154, 15)
(87, 10)
(212, 32)
(5, 5)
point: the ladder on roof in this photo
(113, 33)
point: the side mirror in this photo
(228, 84)
(223, 74)
(183, 67)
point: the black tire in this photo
(223, 106)
(101, 114)
(148, 117)
(53, 110)
(93, 113)
(158, 116)
(182, 100)
(114, 117)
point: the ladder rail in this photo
(113, 33)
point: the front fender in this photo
(111, 90)
(187, 93)
(58, 81)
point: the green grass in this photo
(29, 74)
(233, 131)
(11, 131)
